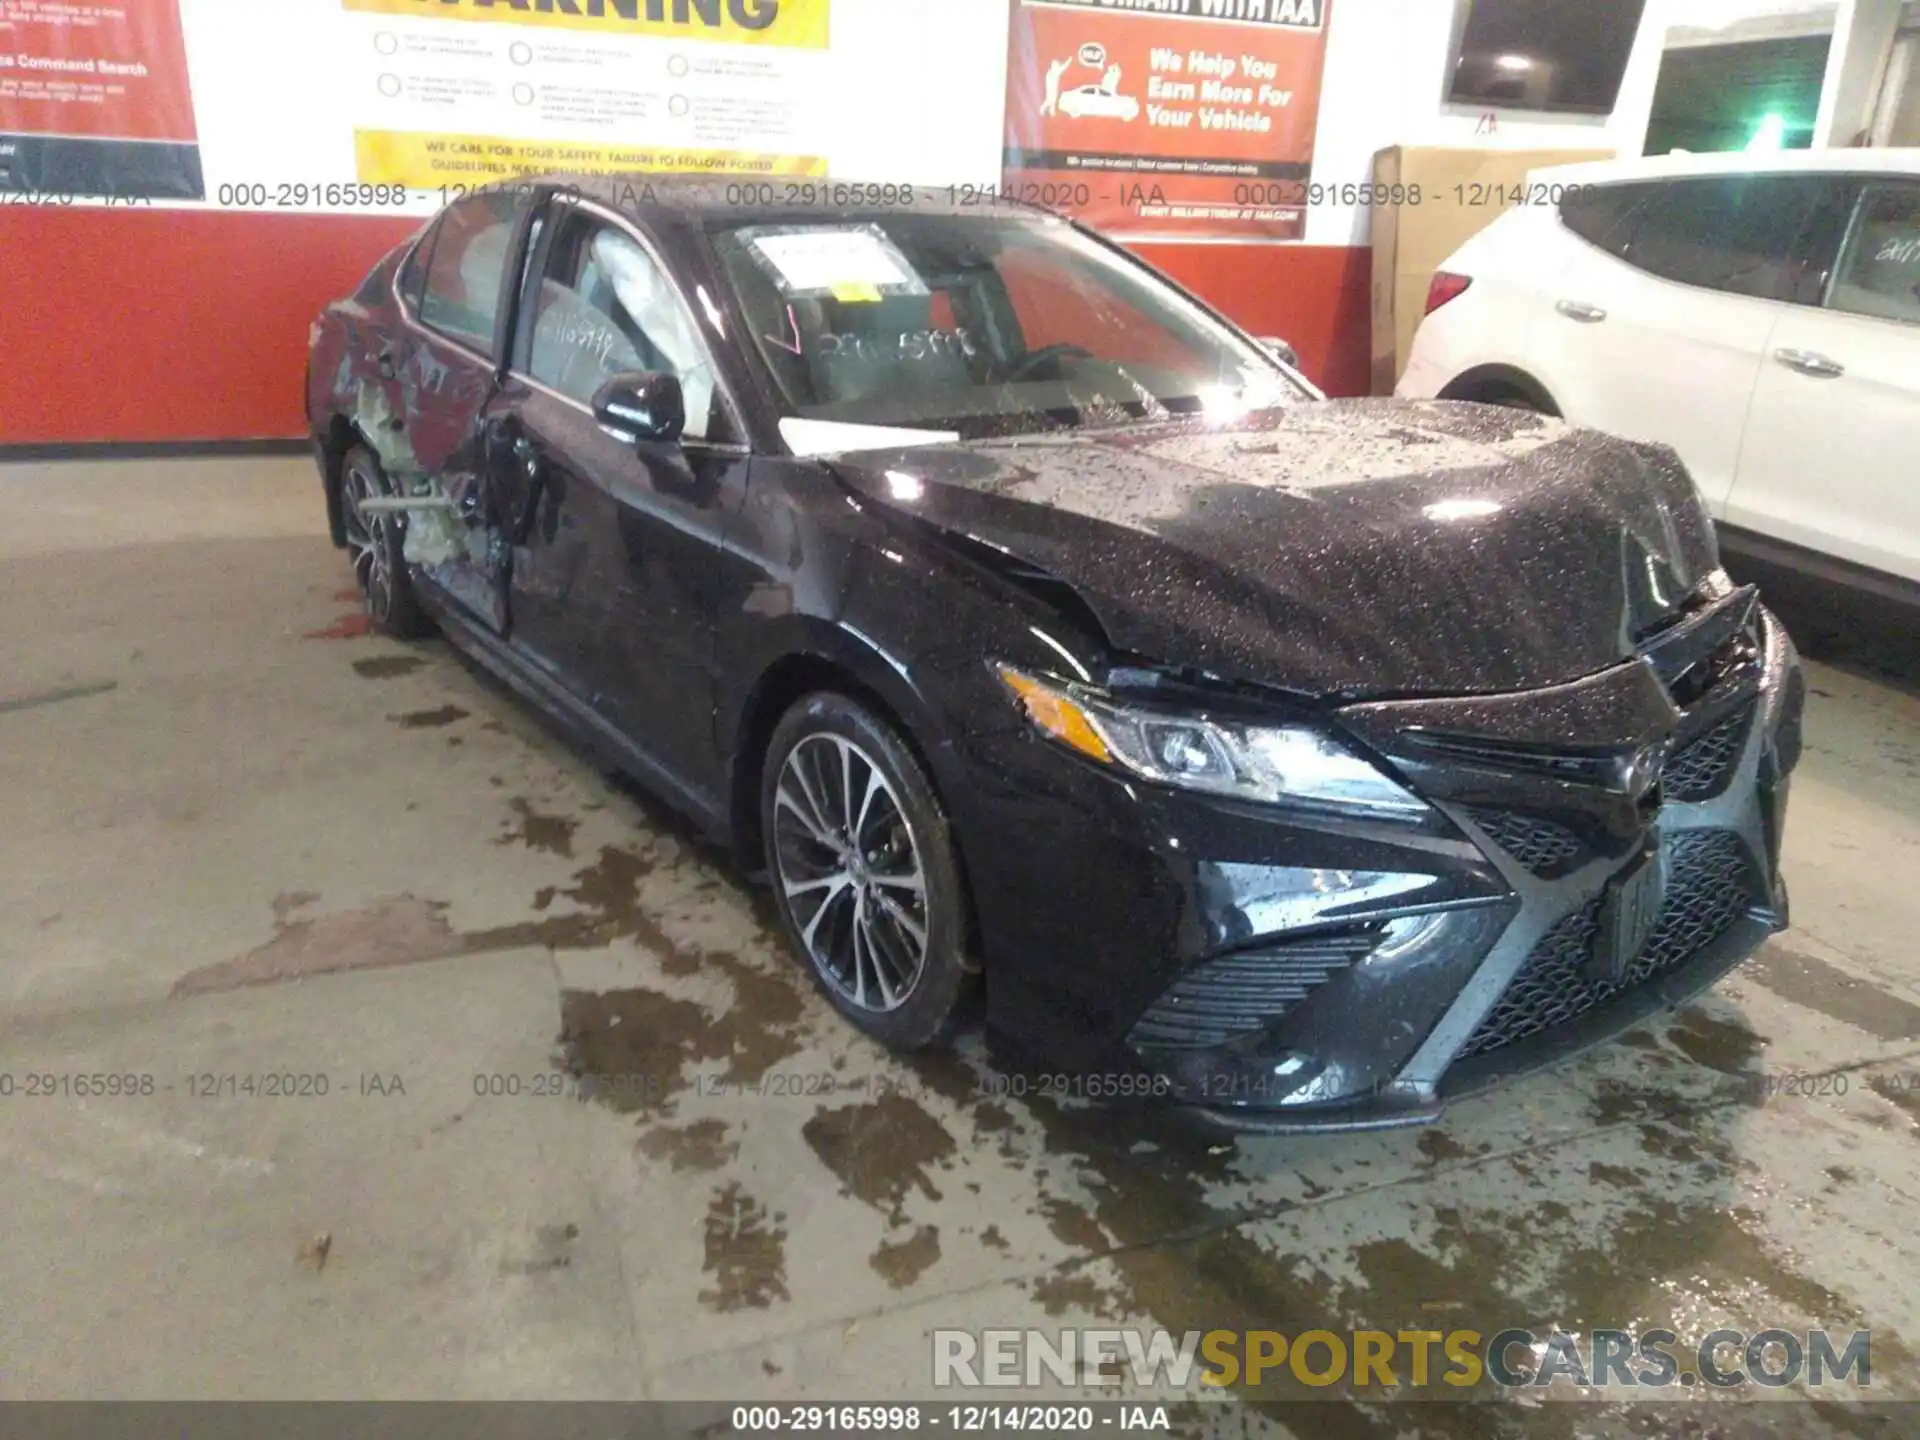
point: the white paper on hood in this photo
(838, 437)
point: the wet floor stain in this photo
(637, 1049)
(1062, 1294)
(429, 719)
(1724, 1045)
(1438, 1147)
(603, 906)
(1902, 1091)
(550, 834)
(387, 667)
(1176, 1259)
(702, 1145)
(632, 1048)
(1617, 1176)
(882, 1151)
(745, 1253)
(1071, 1224)
(550, 1248)
(902, 1262)
(1839, 994)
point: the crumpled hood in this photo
(1354, 547)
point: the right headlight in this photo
(1250, 762)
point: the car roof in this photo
(697, 198)
(1738, 162)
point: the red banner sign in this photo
(94, 99)
(1166, 119)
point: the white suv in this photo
(1760, 314)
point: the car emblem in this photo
(1639, 773)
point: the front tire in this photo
(375, 544)
(864, 872)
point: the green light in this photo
(1772, 135)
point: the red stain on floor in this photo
(399, 931)
(349, 594)
(347, 627)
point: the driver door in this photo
(616, 542)
(438, 372)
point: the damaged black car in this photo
(1037, 631)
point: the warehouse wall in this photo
(161, 324)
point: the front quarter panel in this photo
(347, 399)
(819, 576)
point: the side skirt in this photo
(581, 722)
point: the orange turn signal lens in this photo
(1057, 714)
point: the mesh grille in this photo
(1543, 846)
(1246, 992)
(1709, 888)
(1701, 768)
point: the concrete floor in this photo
(244, 838)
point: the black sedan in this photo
(1308, 762)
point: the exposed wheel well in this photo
(339, 437)
(784, 683)
(1500, 384)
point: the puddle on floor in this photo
(387, 667)
(882, 1151)
(901, 1262)
(429, 719)
(745, 1252)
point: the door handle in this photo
(1810, 362)
(1579, 310)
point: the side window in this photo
(1736, 233)
(1879, 271)
(604, 307)
(462, 294)
(1598, 214)
(413, 271)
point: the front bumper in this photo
(1277, 972)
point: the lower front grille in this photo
(1245, 992)
(1711, 885)
(1543, 846)
(1701, 768)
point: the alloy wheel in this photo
(367, 535)
(849, 872)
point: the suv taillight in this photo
(1446, 286)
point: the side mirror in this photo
(1281, 351)
(648, 406)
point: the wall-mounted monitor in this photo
(1559, 55)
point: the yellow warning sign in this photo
(793, 24)
(431, 161)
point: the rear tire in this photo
(376, 546)
(861, 859)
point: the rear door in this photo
(1832, 454)
(440, 372)
(617, 554)
(1655, 330)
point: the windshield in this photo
(978, 326)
